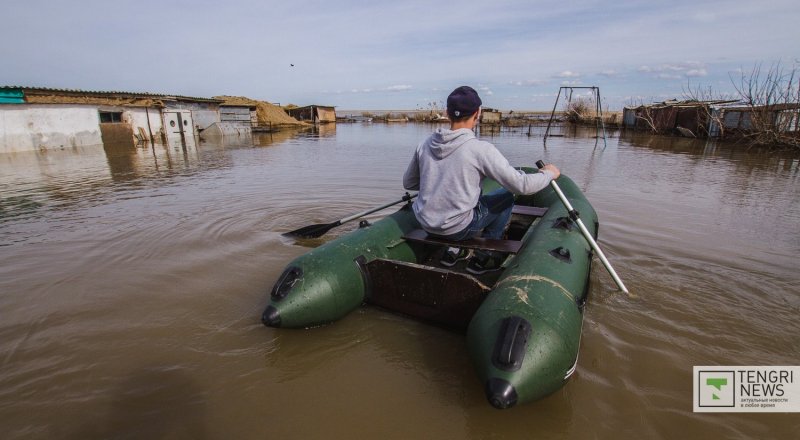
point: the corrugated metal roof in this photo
(685, 103)
(311, 106)
(11, 96)
(54, 91)
(743, 106)
(250, 106)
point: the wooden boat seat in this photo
(508, 246)
(533, 211)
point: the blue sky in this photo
(397, 54)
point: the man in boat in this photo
(447, 169)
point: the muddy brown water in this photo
(132, 281)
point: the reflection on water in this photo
(45, 182)
(132, 277)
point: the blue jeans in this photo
(491, 216)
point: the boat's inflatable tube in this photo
(524, 338)
(326, 283)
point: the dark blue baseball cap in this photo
(462, 102)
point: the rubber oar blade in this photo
(312, 231)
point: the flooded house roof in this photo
(313, 106)
(727, 104)
(684, 104)
(237, 101)
(705, 117)
(742, 106)
(670, 115)
(45, 95)
(314, 112)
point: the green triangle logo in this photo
(717, 382)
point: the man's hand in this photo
(553, 169)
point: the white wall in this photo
(137, 117)
(204, 118)
(33, 127)
(203, 114)
(236, 115)
(218, 129)
(30, 127)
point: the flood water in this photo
(132, 282)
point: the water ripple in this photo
(131, 283)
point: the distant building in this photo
(736, 118)
(669, 117)
(238, 114)
(490, 116)
(34, 118)
(710, 118)
(313, 113)
(234, 120)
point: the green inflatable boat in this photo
(522, 322)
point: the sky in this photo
(407, 54)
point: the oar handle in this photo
(405, 198)
(575, 216)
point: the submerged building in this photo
(33, 118)
(490, 116)
(716, 119)
(314, 113)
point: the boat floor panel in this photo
(438, 296)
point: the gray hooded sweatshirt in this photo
(447, 170)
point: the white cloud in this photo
(486, 90)
(567, 74)
(672, 67)
(399, 88)
(672, 71)
(608, 73)
(696, 72)
(527, 83)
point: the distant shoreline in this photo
(383, 111)
(509, 117)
